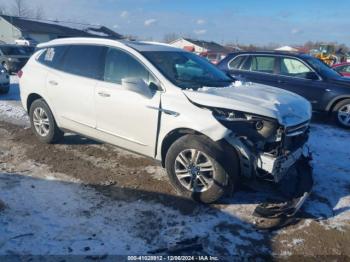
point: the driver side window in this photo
(294, 68)
(121, 65)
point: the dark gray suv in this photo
(13, 57)
(305, 75)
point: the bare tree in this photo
(3, 10)
(39, 13)
(168, 38)
(20, 8)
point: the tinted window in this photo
(294, 67)
(52, 56)
(236, 62)
(84, 60)
(121, 65)
(265, 64)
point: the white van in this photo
(207, 130)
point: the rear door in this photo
(132, 119)
(294, 76)
(72, 83)
(260, 69)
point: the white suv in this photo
(207, 130)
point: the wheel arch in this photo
(31, 98)
(335, 101)
(171, 137)
(175, 134)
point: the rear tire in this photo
(341, 113)
(196, 168)
(43, 123)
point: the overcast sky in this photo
(248, 21)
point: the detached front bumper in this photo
(290, 176)
(294, 189)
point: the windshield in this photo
(12, 50)
(322, 68)
(187, 70)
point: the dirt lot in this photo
(84, 198)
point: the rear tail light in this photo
(19, 73)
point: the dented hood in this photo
(288, 108)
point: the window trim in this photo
(278, 57)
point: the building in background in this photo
(214, 52)
(13, 28)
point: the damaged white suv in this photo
(207, 130)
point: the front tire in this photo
(43, 123)
(196, 168)
(341, 113)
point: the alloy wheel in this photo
(344, 115)
(41, 121)
(194, 170)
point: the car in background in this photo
(26, 41)
(13, 57)
(4, 81)
(302, 74)
(343, 69)
(213, 57)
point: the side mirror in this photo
(137, 85)
(312, 76)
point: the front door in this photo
(294, 76)
(126, 115)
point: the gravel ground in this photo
(81, 197)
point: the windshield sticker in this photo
(50, 53)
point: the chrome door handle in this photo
(103, 94)
(53, 83)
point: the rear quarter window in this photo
(236, 62)
(53, 56)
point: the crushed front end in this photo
(272, 152)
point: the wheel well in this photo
(171, 138)
(335, 103)
(31, 99)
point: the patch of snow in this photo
(74, 219)
(11, 108)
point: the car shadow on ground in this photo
(73, 139)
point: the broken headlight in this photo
(245, 124)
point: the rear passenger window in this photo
(121, 65)
(52, 56)
(85, 60)
(236, 62)
(265, 64)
